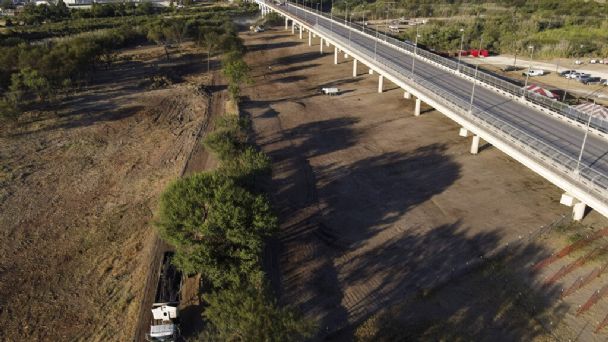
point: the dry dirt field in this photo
(78, 187)
(388, 222)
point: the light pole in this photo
(531, 47)
(376, 44)
(331, 17)
(415, 50)
(580, 155)
(461, 45)
(475, 78)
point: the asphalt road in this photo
(561, 135)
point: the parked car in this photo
(578, 62)
(565, 73)
(590, 80)
(581, 75)
(577, 75)
(534, 72)
(330, 91)
(594, 61)
(604, 81)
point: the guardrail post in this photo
(335, 55)
(380, 83)
(475, 145)
(354, 67)
(406, 94)
(417, 107)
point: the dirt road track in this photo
(199, 160)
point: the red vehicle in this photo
(479, 53)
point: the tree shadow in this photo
(346, 253)
(270, 46)
(289, 79)
(296, 68)
(298, 58)
(448, 284)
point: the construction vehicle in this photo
(165, 314)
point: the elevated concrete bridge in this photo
(544, 136)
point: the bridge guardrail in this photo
(556, 106)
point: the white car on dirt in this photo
(534, 72)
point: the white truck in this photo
(164, 326)
(330, 91)
(534, 72)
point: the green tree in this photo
(209, 40)
(217, 227)
(249, 314)
(7, 4)
(237, 72)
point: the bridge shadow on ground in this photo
(350, 256)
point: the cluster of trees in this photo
(37, 72)
(218, 222)
(33, 14)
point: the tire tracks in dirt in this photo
(198, 160)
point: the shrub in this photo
(249, 314)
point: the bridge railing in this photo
(586, 176)
(546, 102)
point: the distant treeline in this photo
(37, 71)
(557, 28)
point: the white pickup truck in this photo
(534, 72)
(330, 91)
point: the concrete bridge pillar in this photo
(578, 212)
(370, 71)
(321, 46)
(406, 94)
(326, 42)
(475, 144)
(345, 55)
(354, 68)
(286, 24)
(309, 38)
(463, 132)
(578, 207)
(301, 30)
(380, 83)
(417, 107)
(335, 55)
(293, 27)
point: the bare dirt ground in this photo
(79, 185)
(388, 221)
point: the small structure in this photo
(533, 88)
(330, 91)
(594, 110)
